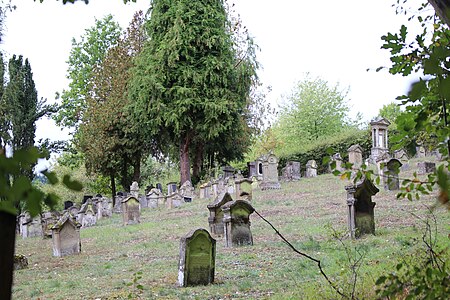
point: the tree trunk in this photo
(8, 238)
(185, 165)
(113, 189)
(137, 168)
(442, 8)
(198, 163)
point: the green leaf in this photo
(51, 176)
(380, 280)
(72, 184)
(417, 89)
(8, 206)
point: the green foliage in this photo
(313, 110)
(17, 192)
(390, 112)
(85, 55)
(321, 149)
(189, 83)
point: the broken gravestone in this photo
(197, 258)
(361, 218)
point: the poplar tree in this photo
(190, 86)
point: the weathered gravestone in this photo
(361, 219)
(291, 172)
(30, 227)
(215, 188)
(311, 169)
(131, 211)
(197, 258)
(49, 218)
(215, 220)
(205, 190)
(87, 214)
(236, 219)
(174, 200)
(134, 190)
(228, 171)
(152, 198)
(270, 172)
(66, 236)
(171, 188)
(243, 189)
(120, 196)
(252, 169)
(425, 167)
(355, 156)
(187, 191)
(390, 175)
(336, 159)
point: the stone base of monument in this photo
(270, 186)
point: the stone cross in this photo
(197, 259)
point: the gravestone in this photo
(152, 198)
(174, 200)
(230, 188)
(159, 187)
(197, 259)
(243, 189)
(379, 128)
(31, 227)
(187, 191)
(311, 169)
(131, 211)
(228, 171)
(337, 159)
(252, 169)
(73, 210)
(390, 175)
(215, 220)
(421, 152)
(361, 219)
(66, 236)
(269, 172)
(291, 172)
(85, 198)
(215, 188)
(134, 190)
(205, 190)
(171, 188)
(49, 219)
(425, 167)
(236, 221)
(143, 201)
(355, 156)
(87, 214)
(68, 204)
(119, 198)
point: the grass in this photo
(303, 211)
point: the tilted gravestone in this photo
(390, 175)
(311, 169)
(131, 211)
(197, 258)
(355, 156)
(236, 221)
(66, 236)
(215, 220)
(361, 219)
(243, 189)
(425, 167)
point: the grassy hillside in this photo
(306, 213)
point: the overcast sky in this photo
(335, 40)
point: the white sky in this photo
(335, 40)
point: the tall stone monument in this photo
(379, 127)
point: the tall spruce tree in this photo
(190, 85)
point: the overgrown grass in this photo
(305, 212)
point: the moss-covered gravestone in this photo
(66, 236)
(243, 189)
(236, 221)
(361, 218)
(131, 211)
(215, 219)
(197, 258)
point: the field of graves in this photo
(141, 261)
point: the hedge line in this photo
(338, 144)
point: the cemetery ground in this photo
(141, 261)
